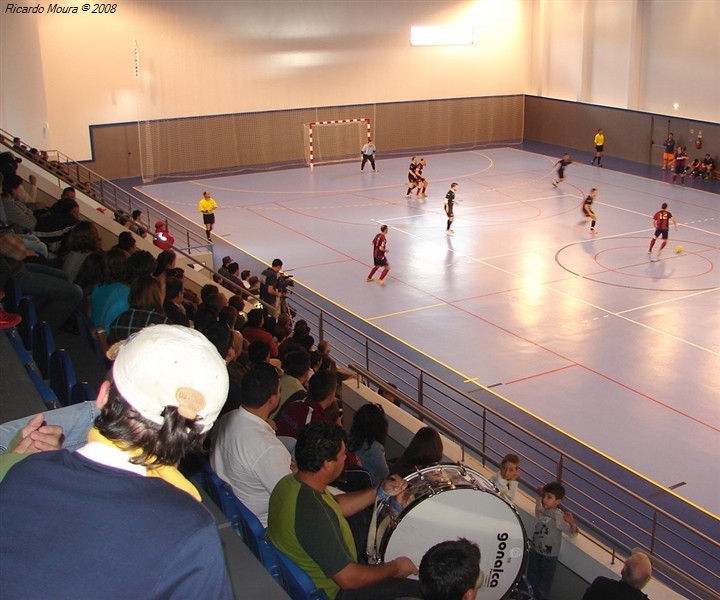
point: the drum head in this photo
(482, 517)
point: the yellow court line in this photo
(404, 312)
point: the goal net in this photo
(335, 141)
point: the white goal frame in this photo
(311, 126)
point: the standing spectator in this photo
(599, 142)
(450, 208)
(368, 154)
(123, 487)
(247, 454)
(551, 522)
(451, 571)
(661, 222)
(269, 291)
(379, 245)
(207, 206)
(636, 573)
(561, 165)
(368, 433)
(669, 153)
(507, 478)
(310, 525)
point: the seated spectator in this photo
(254, 330)
(246, 452)
(55, 225)
(209, 311)
(139, 264)
(162, 238)
(506, 480)
(54, 296)
(166, 389)
(127, 242)
(135, 224)
(389, 394)
(145, 300)
(707, 166)
(292, 384)
(34, 436)
(324, 349)
(18, 215)
(84, 239)
(451, 571)
(173, 305)
(229, 315)
(368, 434)
(635, 575)
(219, 334)
(110, 298)
(223, 270)
(232, 281)
(320, 404)
(310, 525)
(424, 450)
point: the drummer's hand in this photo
(394, 485)
(404, 567)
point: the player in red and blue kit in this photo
(661, 221)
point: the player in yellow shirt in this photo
(207, 207)
(599, 147)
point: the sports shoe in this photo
(554, 183)
(449, 232)
(8, 320)
(593, 230)
(374, 170)
(369, 279)
(407, 195)
(381, 281)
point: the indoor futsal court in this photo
(588, 332)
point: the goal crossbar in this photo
(343, 147)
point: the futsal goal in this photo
(335, 141)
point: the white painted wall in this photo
(215, 57)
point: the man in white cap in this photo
(116, 519)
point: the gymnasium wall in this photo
(197, 59)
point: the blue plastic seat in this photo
(62, 376)
(82, 392)
(43, 347)
(295, 581)
(88, 333)
(25, 328)
(13, 293)
(242, 519)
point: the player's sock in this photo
(652, 243)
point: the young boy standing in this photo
(552, 521)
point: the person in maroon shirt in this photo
(254, 331)
(661, 221)
(379, 245)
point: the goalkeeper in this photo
(368, 154)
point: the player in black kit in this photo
(449, 207)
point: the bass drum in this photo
(445, 502)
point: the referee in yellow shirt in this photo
(599, 147)
(207, 207)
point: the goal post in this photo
(335, 141)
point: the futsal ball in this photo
(678, 249)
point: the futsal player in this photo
(412, 176)
(588, 211)
(421, 181)
(379, 245)
(661, 221)
(449, 208)
(561, 164)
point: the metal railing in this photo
(615, 517)
(111, 196)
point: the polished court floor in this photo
(589, 333)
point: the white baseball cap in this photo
(172, 365)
